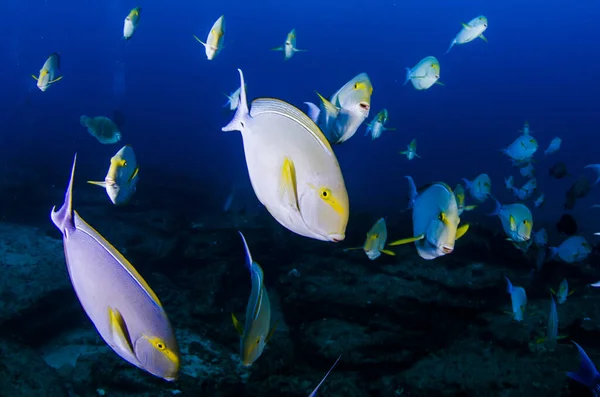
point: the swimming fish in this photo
(573, 249)
(233, 100)
(214, 41)
(289, 47)
(553, 147)
(516, 220)
(314, 392)
(341, 115)
(540, 238)
(124, 310)
(122, 177)
(48, 72)
(479, 188)
(518, 298)
(526, 130)
(525, 191)
(256, 332)
(411, 150)
(563, 292)
(375, 243)
(459, 193)
(435, 220)
(521, 149)
(558, 170)
(131, 22)
(539, 201)
(596, 169)
(528, 171)
(470, 31)
(551, 327)
(377, 125)
(424, 74)
(292, 168)
(586, 374)
(103, 128)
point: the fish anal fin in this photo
(407, 240)
(237, 324)
(119, 331)
(388, 252)
(462, 230)
(482, 37)
(56, 79)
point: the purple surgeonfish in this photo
(124, 310)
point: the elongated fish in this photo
(289, 47)
(470, 31)
(124, 310)
(293, 170)
(48, 72)
(131, 22)
(518, 299)
(214, 41)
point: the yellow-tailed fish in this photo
(120, 304)
(257, 328)
(459, 193)
(562, 292)
(122, 177)
(479, 188)
(553, 147)
(377, 125)
(435, 220)
(470, 31)
(292, 168)
(375, 242)
(424, 74)
(289, 47)
(131, 22)
(233, 100)
(526, 130)
(341, 115)
(411, 150)
(516, 220)
(49, 72)
(518, 298)
(214, 41)
(574, 249)
(103, 128)
(314, 392)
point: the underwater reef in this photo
(403, 325)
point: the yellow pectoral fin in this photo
(540, 340)
(277, 49)
(389, 129)
(353, 249)
(199, 41)
(55, 80)
(287, 184)
(440, 83)
(329, 107)
(407, 240)
(34, 76)
(513, 224)
(118, 330)
(552, 291)
(237, 325)
(482, 37)
(464, 25)
(101, 184)
(462, 230)
(388, 252)
(134, 173)
(470, 207)
(271, 332)
(571, 293)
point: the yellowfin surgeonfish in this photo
(459, 193)
(257, 330)
(377, 125)
(435, 220)
(214, 41)
(425, 73)
(118, 301)
(470, 31)
(574, 249)
(518, 298)
(293, 170)
(516, 220)
(131, 22)
(341, 115)
(411, 150)
(480, 187)
(48, 72)
(375, 242)
(289, 47)
(122, 177)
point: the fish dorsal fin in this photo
(119, 332)
(288, 188)
(314, 392)
(277, 106)
(407, 240)
(462, 230)
(466, 26)
(237, 324)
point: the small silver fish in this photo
(289, 47)
(122, 177)
(131, 22)
(48, 72)
(375, 243)
(424, 74)
(572, 250)
(470, 31)
(214, 41)
(516, 220)
(411, 150)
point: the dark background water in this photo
(540, 65)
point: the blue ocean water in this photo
(539, 65)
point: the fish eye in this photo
(356, 86)
(160, 346)
(325, 193)
(258, 341)
(242, 124)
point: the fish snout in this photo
(336, 238)
(447, 250)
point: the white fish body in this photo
(214, 40)
(563, 292)
(292, 168)
(377, 125)
(411, 150)
(522, 148)
(424, 74)
(470, 31)
(516, 220)
(553, 147)
(518, 298)
(574, 249)
(480, 187)
(289, 47)
(122, 177)
(131, 23)
(526, 190)
(48, 72)
(376, 239)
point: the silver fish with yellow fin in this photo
(131, 22)
(411, 150)
(257, 330)
(289, 47)
(375, 243)
(292, 168)
(48, 72)
(435, 220)
(377, 125)
(124, 310)
(214, 41)
(480, 187)
(341, 115)
(470, 31)
(516, 220)
(122, 177)
(459, 193)
(424, 74)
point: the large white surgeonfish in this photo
(435, 220)
(123, 308)
(292, 168)
(470, 31)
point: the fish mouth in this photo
(336, 238)
(364, 106)
(447, 250)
